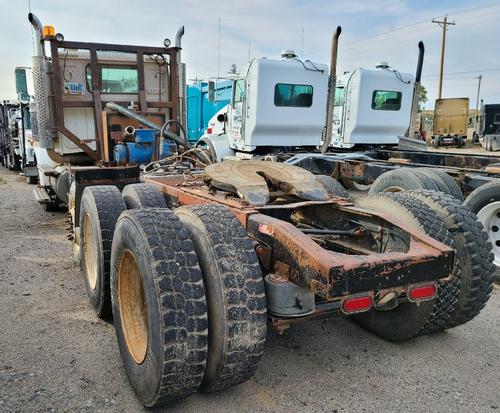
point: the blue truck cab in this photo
(200, 109)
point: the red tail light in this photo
(422, 292)
(209, 131)
(357, 304)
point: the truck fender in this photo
(217, 145)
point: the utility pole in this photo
(477, 99)
(444, 24)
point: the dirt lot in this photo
(55, 355)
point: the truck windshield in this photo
(293, 95)
(386, 100)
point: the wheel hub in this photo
(489, 216)
(133, 309)
(89, 252)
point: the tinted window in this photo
(116, 80)
(496, 119)
(386, 100)
(27, 118)
(339, 96)
(119, 80)
(293, 95)
(239, 90)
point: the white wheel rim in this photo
(361, 187)
(489, 216)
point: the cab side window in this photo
(386, 100)
(239, 90)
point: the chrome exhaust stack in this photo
(178, 37)
(41, 86)
(181, 71)
(332, 80)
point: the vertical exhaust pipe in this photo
(332, 80)
(181, 71)
(416, 89)
(37, 26)
(41, 86)
(178, 37)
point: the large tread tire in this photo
(332, 186)
(175, 310)
(429, 181)
(137, 196)
(100, 207)
(446, 297)
(235, 293)
(473, 249)
(400, 179)
(445, 182)
(408, 319)
(477, 200)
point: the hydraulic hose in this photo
(166, 134)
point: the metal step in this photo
(411, 144)
(41, 195)
(30, 170)
(48, 171)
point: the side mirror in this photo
(24, 98)
(21, 84)
(211, 91)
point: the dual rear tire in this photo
(159, 306)
(100, 207)
(186, 288)
(408, 179)
(485, 203)
(458, 300)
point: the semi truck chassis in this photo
(281, 245)
(470, 171)
(195, 266)
(352, 267)
(195, 269)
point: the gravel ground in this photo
(55, 355)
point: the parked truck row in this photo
(196, 250)
(16, 143)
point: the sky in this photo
(372, 31)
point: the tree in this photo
(422, 97)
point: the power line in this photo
(466, 71)
(351, 52)
(387, 32)
(400, 28)
(423, 21)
